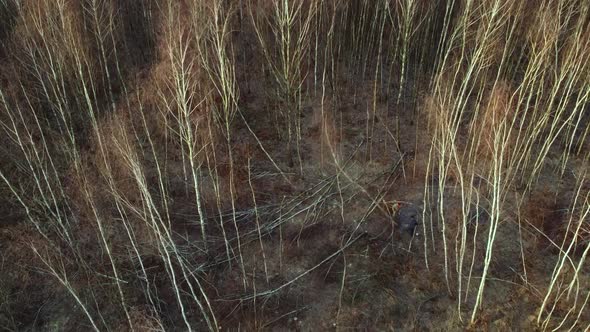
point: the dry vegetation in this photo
(243, 165)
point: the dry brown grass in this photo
(493, 122)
